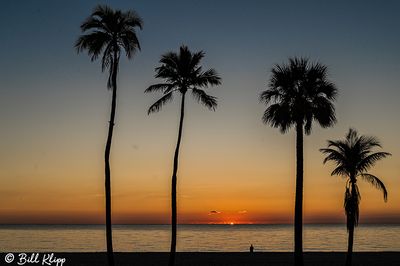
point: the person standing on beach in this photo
(251, 248)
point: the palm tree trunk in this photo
(350, 246)
(173, 187)
(351, 226)
(110, 254)
(298, 210)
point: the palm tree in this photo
(299, 93)
(353, 157)
(182, 73)
(107, 33)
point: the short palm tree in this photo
(107, 33)
(182, 73)
(353, 157)
(299, 93)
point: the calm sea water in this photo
(229, 238)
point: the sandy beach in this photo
(223, 258)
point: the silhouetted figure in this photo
(353, 156)
(251, 248)
(108, 33)
(299, 94)
(182, 73)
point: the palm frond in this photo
(130, 43)
(207, 100)
(270, 95)
(93, 42)
(156, 107)
(281, 78)
(369, 142)
(106, 15)
(161, 87)
(108, 57)
(278, 116)
(352, 137)
(324, 112)
(102, 11)
(195, 60)
(317, 72)
(327, 89)
(168, 73)
(170, 59)
(209, 77)
(308, 119)
(333, 155)
(376, 182)
(368, 161)
(93, 23)
(340, 145)
(341, 170)
(184, 66)
(132, 19)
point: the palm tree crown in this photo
(181, 72)
(353, 157)
(109, 31)
(298, 94)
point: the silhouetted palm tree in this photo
(353, 157)
(299, 93)
(109, 32)
(181, 73)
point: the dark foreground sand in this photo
(221, 259)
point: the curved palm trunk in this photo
(298, 210)
(110, 254)
(173, 187)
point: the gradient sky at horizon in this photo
(55, 108)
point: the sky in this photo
(54, 110)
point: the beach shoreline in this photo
(215, 258)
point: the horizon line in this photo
(227, 224)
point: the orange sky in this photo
(243, 184)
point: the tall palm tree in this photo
(182, 73)
(299, 93)
(107, 33)
(353, 157)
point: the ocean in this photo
(192, 238)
